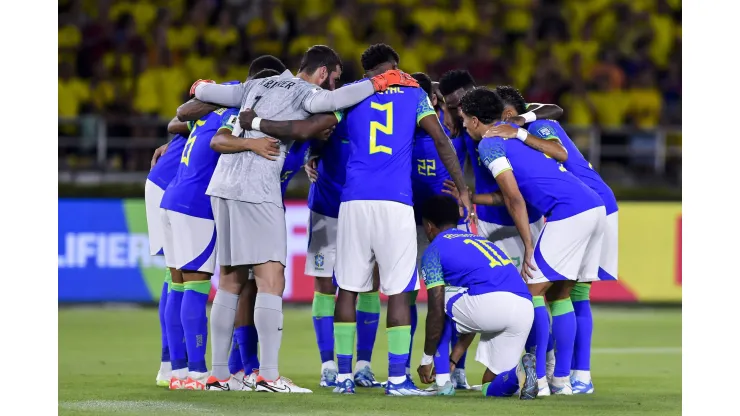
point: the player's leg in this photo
(442, 382)
(563, 334)
(245, 333)
(321, 256)
(394, 245)
(414, 320)
(152, 198)
(353, 274)
(368, 319)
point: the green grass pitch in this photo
(108, 359)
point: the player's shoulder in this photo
(543, 127)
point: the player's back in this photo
(543, 181)
(576, 163)
(470, 261)
(187, 191)
(166, 167)
(381, 132)
(294, 161)
(325, 194)
(246, 176)
(485, 183)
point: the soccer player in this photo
(540, 134)
(164, 167)
(569, 245)
(474, 283)
(245, 191)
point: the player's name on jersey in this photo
(392, 90)
(107, 250)
(269, 84)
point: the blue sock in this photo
(195, 323)
(414, 320)
(584, 328)
(541, 328)
(323, 324)
(564, 334)
(399, 341)
(246, 337)
(175, 334)
(504, 385)
(235, 358)
(442, 357)
(162, 326)
(461, 361)
(368, 317)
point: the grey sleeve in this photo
(324, 101)
(225, 95)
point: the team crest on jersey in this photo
(545, 131)
(318, 261)
(233, 121)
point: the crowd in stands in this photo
(609, 63)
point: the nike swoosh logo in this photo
(280, 329)
(275, 388)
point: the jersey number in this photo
(386, 128)
(426, 167)
(190, 143)
(485, 247)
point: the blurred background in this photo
(614, 66)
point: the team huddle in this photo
(388, 207)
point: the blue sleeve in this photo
(543, 130)
(431, 267)
(491, 149)
(229, 119)
(424, 106)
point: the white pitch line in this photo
(132, 405)
(638, 350)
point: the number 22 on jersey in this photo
(386, 128)
(484, 246)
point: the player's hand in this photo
(427, 373)
(393, 77)
(198, 82)
(311, 168)
(528, 267)
(502, 130)
(465, 199)
(246, 117)
(518, 120)
(158, 153)
(449, 188)
(324, 135)
(267, 147)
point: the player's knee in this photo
(270, 278)
(176, 275)
(324, 285)
(230, 283)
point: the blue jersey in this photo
(294, 161)
(381, 132)
(485, 184)
(186, 193)
(576, 163)
(428, 174)
(166, 168)
(543, 181)
(458, 258)
(324, 195)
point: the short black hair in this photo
(266, 73)
(377, 54)
(317, 56)
(453, 80)
(441, 210)
(482, 103)
(424, 82)
(266, 62)
(511, 96)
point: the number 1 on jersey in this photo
(484, 246)
(386, 128)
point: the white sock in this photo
(361, 364)
(329, 364)
(582, 375)
(223, 312)
(342, 377)
(442, 379)
(397, 380)
(180, 374)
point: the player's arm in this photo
(433, 275)
(542, 111)
(290, 129)
(194, 109)
(462, 345)
(493, 198)
(223, 95)
(225, 142)
(324, 101)
(176, 126)
(548, 143)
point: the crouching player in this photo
(476, 285)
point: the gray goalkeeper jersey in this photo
(247, 176)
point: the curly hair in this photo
(441, 210)
(453, 80)
(511, 96)
(266, 62)
(482, 103)
(377, 54)
(424, 82)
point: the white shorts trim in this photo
(189, 242)
(507, 238)
(152, 199)
(609, 262)
(382, 231)
(502, 318)
(570, 249)
(321, 254)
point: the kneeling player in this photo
(476, 285)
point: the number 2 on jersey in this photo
(484, 246)
(190, 143)
(386, 128)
